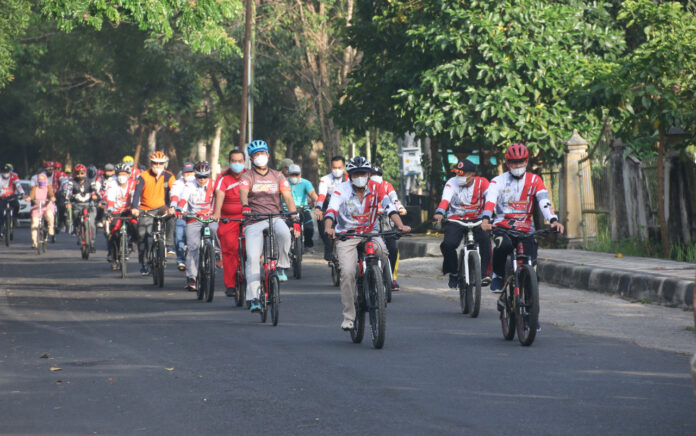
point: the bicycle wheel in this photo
(240, 285)
(297, 261)
(359, 324)
(152, 261)
(274, 298)
(528, 306)
(387, 280)
(462, 285)
(160, 263)
(376, 305)
(507, 315)
(39, 237)
(7, 232)
(201, 278)
(83, 247)
(335, 273)
(263, 300)
(44, 238)
(209, 270)
(473, 290)
(123, 251)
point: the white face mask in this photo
(462, 180)
(359, 182)
(377, 179)
(518, 172)
(122, 180)
(261, 160)
(157, 170)
(294, 180)
(190, 179)
(337, 172)
(6, 176)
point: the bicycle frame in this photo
(468, 243)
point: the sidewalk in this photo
(659, 280)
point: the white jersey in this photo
(327, 185)
(178, 189)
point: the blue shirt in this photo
(300, 191)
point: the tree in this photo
(14, 18)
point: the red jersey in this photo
(229, 184)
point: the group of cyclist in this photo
(350, 200)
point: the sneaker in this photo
(171, 253)
(281, 275)
(486, 281)
(114, 266)
(100, 225)
(497, 285)
(190, 284)
(347, 325)
(453, 281)
(181, 266)
(231, 292)
(92, 249)
(109, 257)
(255, 306)
(53, 239)
(144, 270)
(538, 326)
(395, 286)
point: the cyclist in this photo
(197, 199)
(46, 168)
(42, 194)
(119, 194)
(10, 189)
(260, 192)
(327, 185)
(302, 192)
(353, 206)
(463, 198)
(103, 179)
(188, 177)
(229, 205)
(392, 247)
(511, 196)
(152, 195)
(82, 194)
(285, 165)
(134, 170)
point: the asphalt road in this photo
(134, 359)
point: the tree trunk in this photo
(215, 152)
(139, 146)
(368, 147)
(664, 234)
(152, 139)
(201, 151)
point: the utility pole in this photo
(245, 79)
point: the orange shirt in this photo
(152, 192)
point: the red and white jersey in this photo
(391, 192)
(178, 189)
(118, 198)
(198, 200)
(512, 200)
(10, 186)
(327, 185)
(350, 213)
(463, 202)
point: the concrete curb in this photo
(625, 283)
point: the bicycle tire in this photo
(123, 251)
(335, 273)
(461, 285)
(11, 226)
(377, 306)
(358, 332)
(240, 285)
(297, 261)
(274, 298)
(387, 280)
(473, 293)
(44, 237)
(209, 290)
(527, 315)
(83, 248)
(264, 303)
(88, 238)
(39, 237)
(160, 263)
(6, 230)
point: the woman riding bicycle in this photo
(260, 192)
(511, 196)
(353, 207)
(43, 198)
(463, 199)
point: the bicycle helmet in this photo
(358, 164)
(294, 169)
(202, 169)
(376, 169)
(79, 168)
(10, 165)
(48, 164)
(6, 168)
(57, 165)
(256, 146)
(158, 157)
(128, 159)
(516, 152)
(91, 172)
(121, 167)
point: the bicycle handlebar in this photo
(144, 213)
(344, 236)
(269, 215)
(463, 223)
(229, 220)
(200, 220)
(520, 234)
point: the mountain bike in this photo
(119, 243)
(296, 252)
(370, 295)
(84, 233)
(8, 223)
(205, 282)
(240, 282)
(519, 301)
(156, 256)
(469, 269)
(270, 297)
(41, 231)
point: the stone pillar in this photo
(575, 188)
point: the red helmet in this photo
(79, 168)
(516, 152)
(158, 157)
(48, 164)
(57, 165)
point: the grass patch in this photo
(690, 328)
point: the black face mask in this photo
(79, 178)
(49, 173)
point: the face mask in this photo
(6, 176)
(261, 161)
(237, 167)
(42, 183)
(122, 179)
(189, 179)
(518, 172)
(49, 173)
(377, 179)
(462, 180)
(157, 170)
(79, 178)
(359, 182)
(294, 180)
(337, 173)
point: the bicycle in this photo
(519, 301)
(270, 297)
(370, 295)
(296, 252)
(8, 223)
(120, 246)
(205, 282)
(41, 232)
(469, 269)
(240, 282)
(386, 223)
(335, 268)
(156, 255)
(84, 233)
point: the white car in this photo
(25, 206)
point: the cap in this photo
(187, 168)
(294, 169)
(109, 167)
(286, 162)
(464, 166)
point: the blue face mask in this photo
(237, 167)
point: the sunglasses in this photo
(202, 177)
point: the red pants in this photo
(229, 244)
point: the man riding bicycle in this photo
(303, 191)
(511, 196)
(197, 199)
(463, 199)
(327, 185)
(152, 195)
(80, 194)
(10, 190)
(119, 195)
(260, 192)
(188, 178)
(353, 207)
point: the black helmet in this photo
(122, 167)
(6, 168)
(91, 172)
(202, 169)
(358, 164)
(376, 169)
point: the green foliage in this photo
(14, 18)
